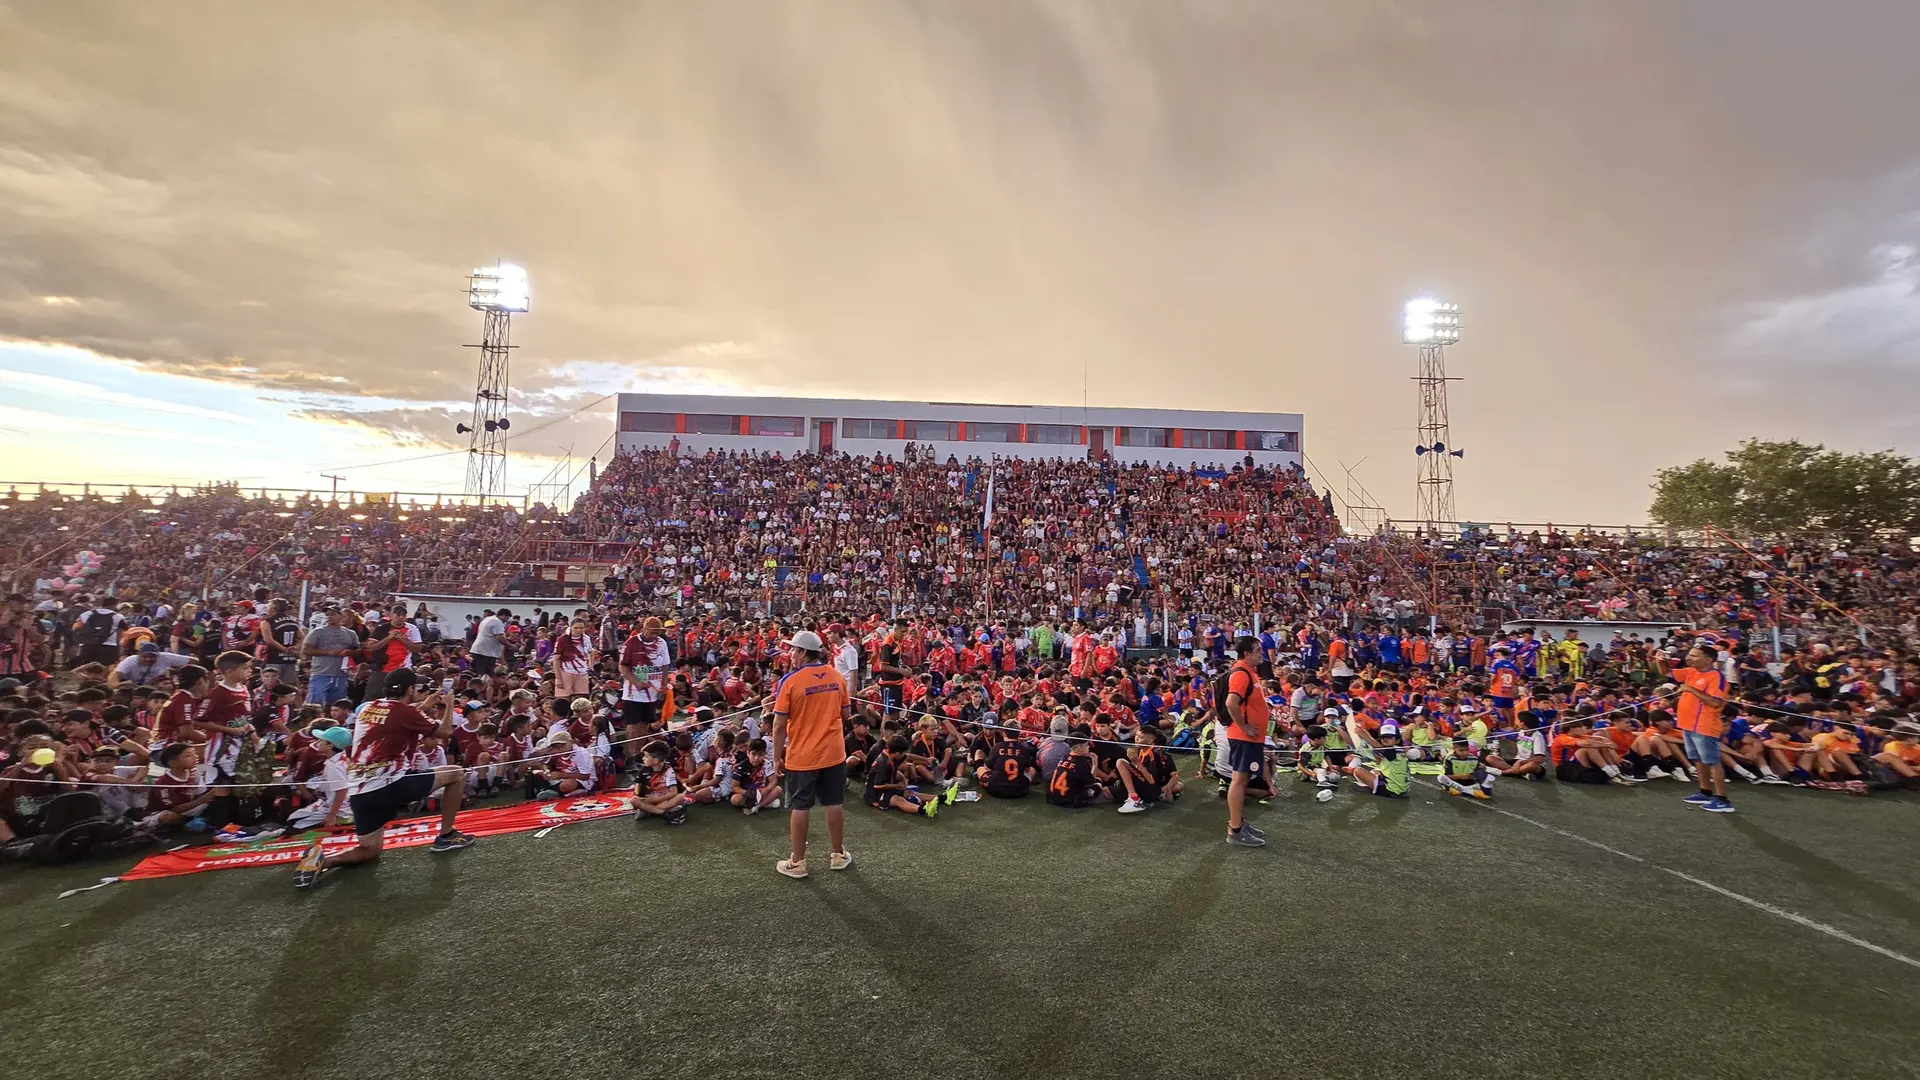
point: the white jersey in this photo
(330, 779)
(650, 666)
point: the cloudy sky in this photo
(234, 236)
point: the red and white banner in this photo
(409, 832)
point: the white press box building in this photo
(1177, 437)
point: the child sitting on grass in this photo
(1319, 761)
(1072, 783)
(712, 779)
(659, 792)
(1387, 772)
(1465, 773)
(755, 788)
(886, 787)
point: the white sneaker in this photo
(1324, 795)
(1132, 806)
(1655, 772)
(1683, 776)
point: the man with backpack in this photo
(96, 634)
(1244, 707)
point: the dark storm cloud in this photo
(1205, 204)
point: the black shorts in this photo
(1573, 772)
(827, 786)
(883, 800)
(1076, 799)
(372, 810)
(637, 713)
(1149, 793)
(482, 665)
(1007, 792)
(1246, 757)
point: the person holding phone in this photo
(380, 786)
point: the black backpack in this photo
(72, 826)
(97, 629)
(1221, 688)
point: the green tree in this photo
(1775, 488)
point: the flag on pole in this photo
(986, 519)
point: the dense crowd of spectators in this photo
(1093, 597)
(1132, 547)
(1064, 536)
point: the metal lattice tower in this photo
(1433, 326)
(486, 454)
(496, 292)
(1436, 439)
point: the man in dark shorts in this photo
(1245, 711)
(644, 666)
(810, 705)
(380, 787)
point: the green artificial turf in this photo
(1429, 937)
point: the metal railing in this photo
(160, 494)
(1507, 529)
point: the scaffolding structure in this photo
(497, 292)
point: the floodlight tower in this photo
(1432, 326)
(496, 292)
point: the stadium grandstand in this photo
(862, 428)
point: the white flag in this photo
(986, 519)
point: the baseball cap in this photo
(401, 680)
(149, 646)
(337, 737)
(806, 640)
(1389, 729)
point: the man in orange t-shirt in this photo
(810, 706)
(1245, 714)
(1697, 713)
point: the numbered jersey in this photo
(1009, 766)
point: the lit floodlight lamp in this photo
(1430, 322)
(498, 288)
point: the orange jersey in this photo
(1563, 748)
(1837, 742)
(1689, 713)
(1244, 683)
(812, 698)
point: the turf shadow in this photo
(1827, 874)
(331, 980)
(100, 922)
(1042, 1036)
